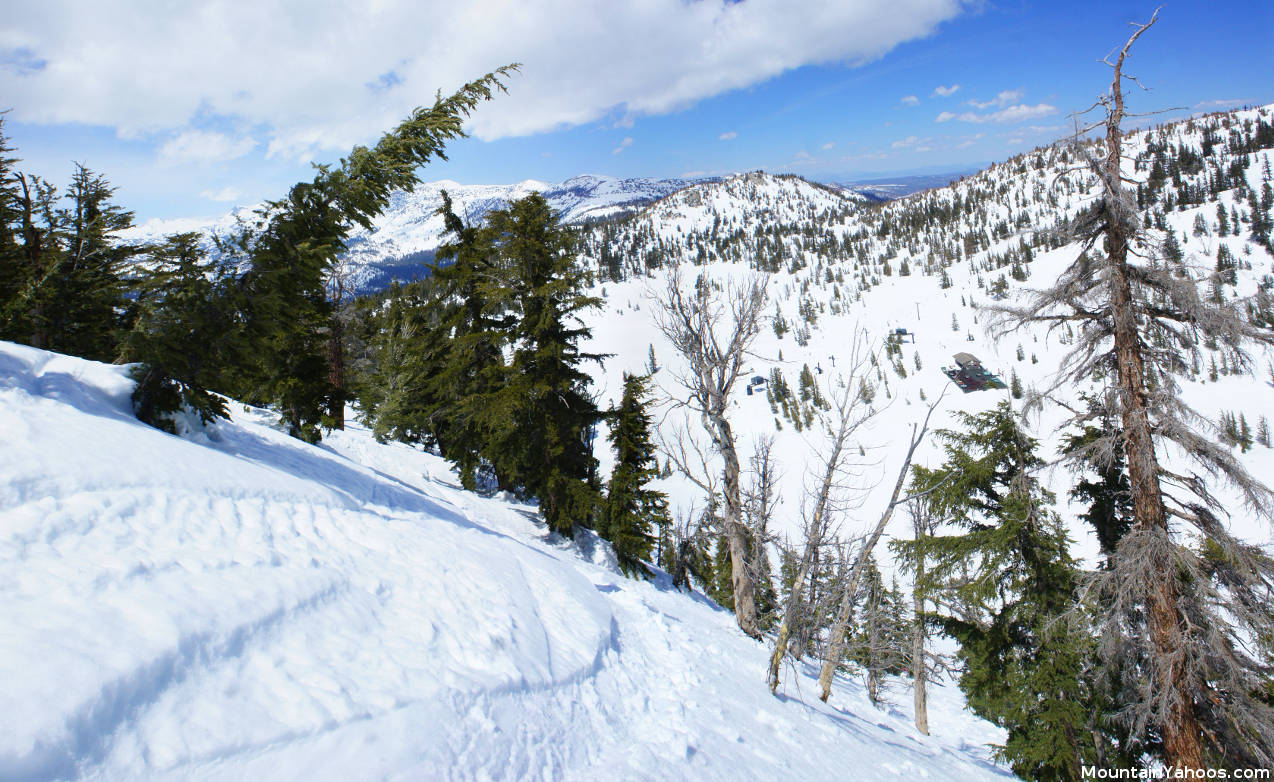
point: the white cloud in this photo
(944, 92)
(1226, 102)
(224, 194)
(909, 141)
(910, 100)
(1003, 99)
(202, 147)
(625, 144)
(828, 145)
(1016, 113)
(924, 149)
(1042, 128)
(727, 136)
(155, 66)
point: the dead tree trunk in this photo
(919, 671)
(919, 668)
(836, 643)
(850, 416)
(1181, 732)
(714, 362)
(741, 576)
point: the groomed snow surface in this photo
(234, 604)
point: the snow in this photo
(749, 204)
(235, 604)
(411, 228)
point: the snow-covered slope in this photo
(235, 604)
(845, 274)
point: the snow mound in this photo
(246, 606)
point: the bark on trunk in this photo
(919, 673)
(336, 372)
(736, 533)
(1182, 731)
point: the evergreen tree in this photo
(86, 294)
(291, 253)
(12, 278)
(633, 515)
(1109, 497)
(61, 269)
(721, 589)
(881, 635)
(183, 331)
(1007, 567)
(395, 396)
(540, 421)
(464, 349)
(33, 263)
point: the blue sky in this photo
(190, 110)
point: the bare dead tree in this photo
(921, 525)
(836, 645)
(761, 493)
(1167, 612)
(760, 496)
(713, 336)
(849, 412)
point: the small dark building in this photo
(966, 360)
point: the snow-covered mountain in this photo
(890, 188)
(408, 232)
(843, 274)
(235, 604)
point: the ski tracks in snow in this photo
(238, 605)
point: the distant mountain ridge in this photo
(889, 188)
(410, 230)
(404, 238)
